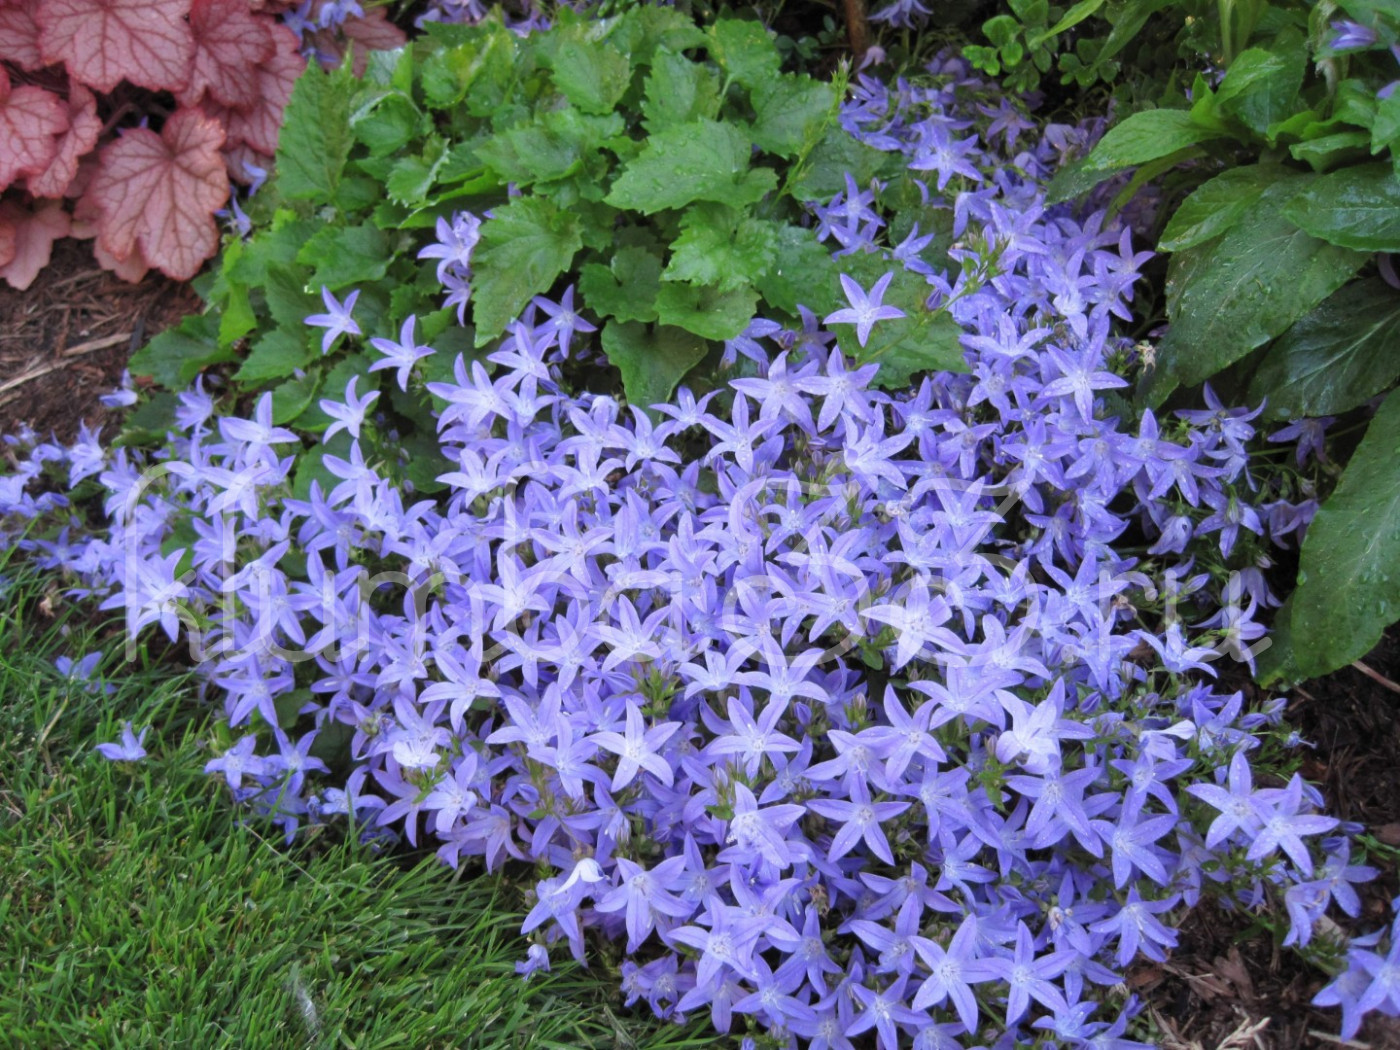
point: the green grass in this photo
(137, 911)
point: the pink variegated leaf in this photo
(19, 34)
(31, 119)
(230, 46)
(132, 268)
(158, 193)
(35, 232)
(257, 126)
(104, 42)
(84, 126)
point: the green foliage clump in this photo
(661, 166)
(1286, 170)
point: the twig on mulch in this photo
(1375, 676)
(92, 346)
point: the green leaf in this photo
(412, 178)
(276, 355)
(705, 310)
(678, 91)
(1146, 136)
(1226, 297)
(1261, 87)
(553, 146)
(1385, 129)
(627, 288)
(701, 160)
(792, 115)
(922, 342)
(745, 52)
(823, 174)
(803, 273)
(387, 124)
(1277, 661)
(652, 361)
(475, 69)
(174, 357)
(1340, 355)
(523, 249)
(346, 255)
(292, 398)
(719, 246)
(1354, 207)
(1072, 18)
(1216, 205)
(1330, 150)
(287, 298)
(591, 73)
(315, 139)
(1349, 579)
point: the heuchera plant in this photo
(851, 717)
(76, 76)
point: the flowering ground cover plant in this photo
(846, 717)
(80, 82)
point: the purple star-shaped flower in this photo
(865, 309)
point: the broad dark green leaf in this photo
(1146, 136)
(823, 172)
(792, 115)
(1227, 296)
(523, 249)
(705, 160)
(553, 146)
(1385, 129)
(412, 178)
(626, 288)
(1349, 580)
(1338, 356)
(652, 360)
(803, 273)
(906, 346)
(387, 124)
(1216, 205)
(1355, 207)
(292, 398)
(475, 70)
(347, 255)
(705, 310)
(315, 138)
(1261, 87)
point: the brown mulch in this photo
(65, 341)
(1227, 987)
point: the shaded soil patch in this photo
(65, 341)
(1227, 987)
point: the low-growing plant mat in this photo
(65, 340)
(138, 912)
(1228, 977)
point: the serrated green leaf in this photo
(626, 289)
(792, 114)
(387, 124)
(412, 178)
(292, 398)
(1339, 356)
(276, 245)
(590, 72)
(645, 29)
(524, 248)
(1216, 205)
(906, 346)
(1355, 207)
(475, 68)
(705, 310)
(1349, 579)
(678, 91)
(1146, 136)
(652, 360)
(174, 357)
(1261, 86)
(276, 355)
(721, 247)
(556, 145)
(1227, 296)
(287, 298)
(704, 160)
(314, 143)
(745, 52)
(346, 255)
